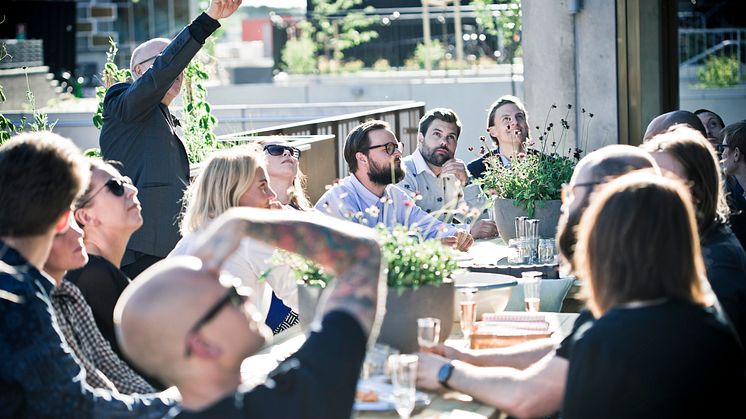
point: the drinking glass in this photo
(547, 250)
(531, 290)
(428, 331)
(468, 312)
(403, 378)
(519, 251)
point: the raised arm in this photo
(348, 250)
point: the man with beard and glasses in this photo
(440, 179)
(369, 195)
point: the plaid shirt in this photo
(104, 369)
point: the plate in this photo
(385, 393)
(462, 256)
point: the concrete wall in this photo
(572, 60)
(729, 103)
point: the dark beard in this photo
(382, 175)
(436, 159)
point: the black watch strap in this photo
(444, 373)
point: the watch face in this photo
(444, 374)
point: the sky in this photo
(275, 3)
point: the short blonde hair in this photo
(225, 177)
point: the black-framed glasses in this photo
(389, 147)
(115, 186)
(279, 150)
(148, 59)
(236, 296)
(721, 147)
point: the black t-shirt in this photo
(318, 381)
(673, 359)
(584, 320)
(725, 262)
(101, 284)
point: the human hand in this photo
(275, 204)
(483, 229)
(456, 167)
(219, 242)
(446, 351)
(428, 366)
(220, 9)
(464, 240)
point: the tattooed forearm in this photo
(348, 250)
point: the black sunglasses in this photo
(147, 59)
(115, 186)
(389, 147)
(279, 150)
(721, 147)
(234, 295)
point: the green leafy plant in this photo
(719, 71)
(305, 271)
(299, 53)
(539, 174)
(110, 75)
(505, 24)
(198, 121)
(437, 55)
(413, 263)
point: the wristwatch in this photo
(444, 373)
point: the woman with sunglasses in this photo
(104, 368)
(685, 153)
(733, 161)
(655, 350)
(285, 176)
(108, 212)
(238, 178)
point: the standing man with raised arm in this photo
(179, 323)
(140, 132)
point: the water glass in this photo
(403, 379)
(428, 332)
(531, 290)
(519, 251)
(547, 251)
(468, 312)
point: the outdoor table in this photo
(485, 255)
(448, 404)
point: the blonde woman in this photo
(238, 178)
(285, 176)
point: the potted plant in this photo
(532, 185)
(419, 280)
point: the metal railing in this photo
(404, 120)
(695, 45)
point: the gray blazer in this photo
(139, 132)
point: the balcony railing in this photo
(403, 119)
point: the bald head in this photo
(145, 51)
(664, 122)
(156, 312)
(596, 168)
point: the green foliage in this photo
(352, 66)
(299, 55)
(719, 71)
(437, 54)
(413, 263)
(382, 64)
(538, 175)
(93, 152)
(505, 24)
(332, 29)
(197, 121)
(305, 271)
(110, 75)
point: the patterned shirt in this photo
(104, 369)
(350, 200)
(39, 375)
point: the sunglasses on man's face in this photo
(236, 296)
(115, 186)
(279, 150)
